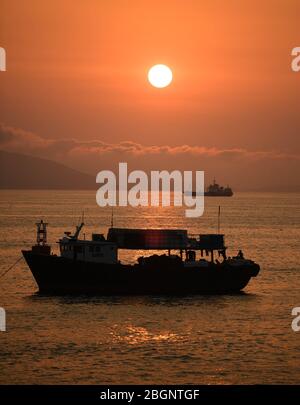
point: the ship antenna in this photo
(112, 217)
(219, 217)
(79, 227)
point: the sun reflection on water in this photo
(135, 335)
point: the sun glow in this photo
(160, 76)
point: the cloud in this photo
(18, 140)
(242, 168)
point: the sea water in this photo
(233, 339)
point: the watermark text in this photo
(2, 60)
(296, 61)
(136, 189)
(296, 321)
(2, 320)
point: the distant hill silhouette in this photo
(19, 171)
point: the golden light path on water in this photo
(134, 335)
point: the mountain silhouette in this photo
(18, 171)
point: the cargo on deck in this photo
(148, 238)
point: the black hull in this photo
(57, 275)
(208, 194)
(211, 194)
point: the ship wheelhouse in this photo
(97, 250)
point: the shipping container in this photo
(148, 238)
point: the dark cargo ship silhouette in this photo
(215, 190)
(92, 266)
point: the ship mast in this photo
(41, 234)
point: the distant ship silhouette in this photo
(215, 190)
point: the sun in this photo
(160, 76)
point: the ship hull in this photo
(57, 275)
(218, 194)
(213, 194)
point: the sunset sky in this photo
(76, 88)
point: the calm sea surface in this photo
(242, 339)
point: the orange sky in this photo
(77, 69)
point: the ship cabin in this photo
(97, 250)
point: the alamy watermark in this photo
(296, 321)
(2, 320)
(295, 65)
(2, 60)
(147, 192)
